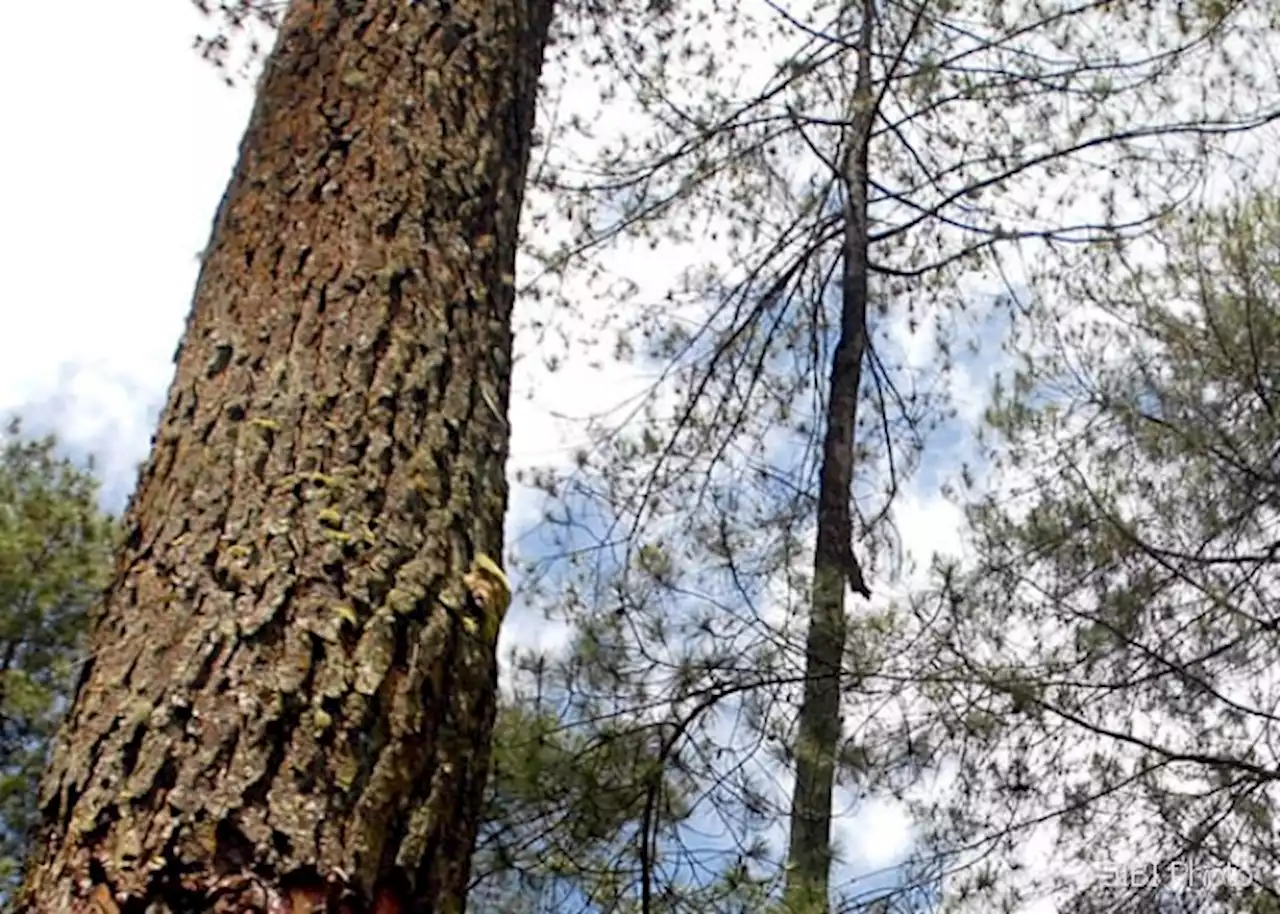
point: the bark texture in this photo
(819, 724)
(285, 709)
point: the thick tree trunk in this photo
(818, 739)
(286, 709)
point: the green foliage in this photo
(55, 552)
(567, 805)
(1104, 675)
(1001, 132)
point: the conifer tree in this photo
(55, 550)
(290, 686)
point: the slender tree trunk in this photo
(817, 743)
(287, 708)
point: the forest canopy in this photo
(893, 448)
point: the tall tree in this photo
(878, 173)
(291, 684)
(55, 551)
(835, 565)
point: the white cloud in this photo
(127, 140)
(929, 524)
(876, 832)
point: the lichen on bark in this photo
(282, 710)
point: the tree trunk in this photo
(287, 707)
(817, 743)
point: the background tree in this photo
(55, 549)
(989, 131)
(1099, 682)
(564, 807)
(290, 690)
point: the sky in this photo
(120, 147)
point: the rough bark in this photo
(284, 709)
(819, 723)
